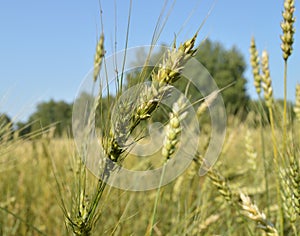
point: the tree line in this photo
(224, 65)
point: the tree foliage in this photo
(226, 66)
(6, 127)
(52, 113)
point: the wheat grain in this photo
(288, 29)
(250, 152)
(251, 211)
(287, 197)
(98, 56)
(173, 129)
(254, 61)
(266, 79)
(297, 103)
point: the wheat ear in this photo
(288, 29)
(131, 115)
(173, 128)
(254, 61)
(98, 56)
(251, 211)
(297, 103)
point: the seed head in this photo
(207, 103)
(287, 26)
(173, 62)
(98, 56)
(254, 59)
(250, 151)
(266, 79)
(251, 211)
(173, 129)
(297, 103)
(288, 196)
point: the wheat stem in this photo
(151, 226)
(285, 108)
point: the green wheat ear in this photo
(250, 151)
(297, 103)
(173, 128)
(254, 60)
(266, 79)
(98, 56)
(288, 29)
(289, 198)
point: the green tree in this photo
(52, 113)
(6, 127)
(226, 66)
(23, 129)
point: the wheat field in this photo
(252, 189)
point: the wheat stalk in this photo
(287, 39)
(268, 94)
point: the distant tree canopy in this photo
(6, 127)
(226, 66)
(50, 113)
(4, 120)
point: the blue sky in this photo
(47, 47)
